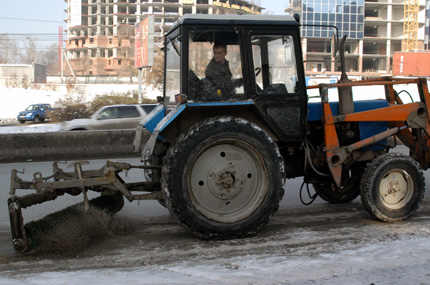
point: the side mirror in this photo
(288, 51)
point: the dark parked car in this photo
(111, 117)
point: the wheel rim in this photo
(228, 181)
(396, 189)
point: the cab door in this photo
(278, 83)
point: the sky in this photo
(37, 19)
(274, 7)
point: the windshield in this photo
(32, 108)
(214, 67)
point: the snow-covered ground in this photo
(18, 99)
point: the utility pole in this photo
(60, 48)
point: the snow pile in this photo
(406, 92)
(18, 99)
(30, 128)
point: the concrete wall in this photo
(77, 145)
(12, 75)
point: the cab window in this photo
(274, 64)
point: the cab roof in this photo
(244, 20)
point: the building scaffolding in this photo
(101, 32)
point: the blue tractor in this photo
(224, 142)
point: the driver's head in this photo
(220, 51)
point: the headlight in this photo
(29, 114)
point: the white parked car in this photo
(111, 117)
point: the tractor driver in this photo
(218, 72)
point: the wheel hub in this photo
(395, 188)
(226, 180)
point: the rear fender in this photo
(167, 127)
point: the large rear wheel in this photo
(154, 174)
(223, 178)
(392, 187)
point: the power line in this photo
(35, 37)
(31, 20)
(29, 34)
(19, 48)
(34, 40)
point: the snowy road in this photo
(326, 244)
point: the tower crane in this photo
(410, 25)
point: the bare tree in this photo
(8, 50)
(155, 75)
(29, 54)
(50, 59)
(125, 51)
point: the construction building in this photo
(375, 29)
(101, 32)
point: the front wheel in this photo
(36, 120)
(392, 187)
(223, 178)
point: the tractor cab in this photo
(246, 61)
